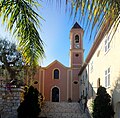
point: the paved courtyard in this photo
(62, 110)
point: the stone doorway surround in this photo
(55, 94)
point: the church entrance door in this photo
(55, 94)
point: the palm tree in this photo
(96, 13)
(23, 21)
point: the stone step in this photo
(62, 110)
(62, 115)
(62, 107)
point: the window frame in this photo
(107, 44)
(91, 66)
(77, 40)
(107, 77)
(86, 74)
(98, 83)
(56, 77)
(83, 80)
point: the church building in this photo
(57, 82)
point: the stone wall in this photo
(9, 102)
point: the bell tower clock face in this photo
(77, 46)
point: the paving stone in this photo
(62, 110)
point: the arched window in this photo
(56, 74)
(76, 39)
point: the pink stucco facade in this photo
(67, 84)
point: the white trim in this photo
(107, 44)
(80, 50)
(43, 81)
(71, 84)
(67, 83)
(39, 78)
(68, 72)
(107, 75)
(77, 64)
(91, 66)
(51, 92)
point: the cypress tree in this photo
(102, 107)
(30, 107)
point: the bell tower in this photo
(76, 58)
(76, 46)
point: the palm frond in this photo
(23, 21)
(97, 12)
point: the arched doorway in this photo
(55, 94)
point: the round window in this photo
(75, 82)
(76, 55)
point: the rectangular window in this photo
(107, 44)
(91, 66)
(107, 77)
(86, 73)
(83, 80)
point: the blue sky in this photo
(54, 32)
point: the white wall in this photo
(101, 61)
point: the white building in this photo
(102, 67)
